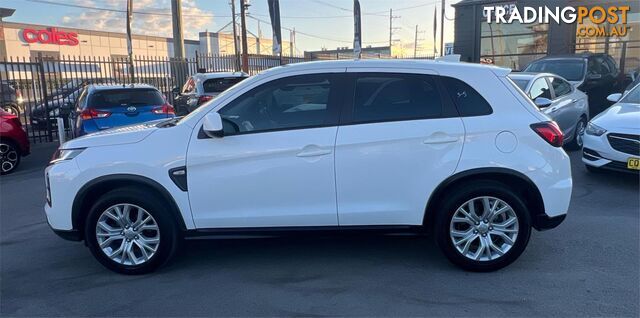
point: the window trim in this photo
(449, 110)
(334, 104)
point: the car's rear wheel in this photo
(130, 231)
(483, 227)
(9, 157)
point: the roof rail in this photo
(448, 58)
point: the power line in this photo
(124, 11)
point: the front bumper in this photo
(598, 153)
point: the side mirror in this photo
(212, 125)
(593, 76)
(614, 97)
(542, 102)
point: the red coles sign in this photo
(50, 36)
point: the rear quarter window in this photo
(468, 101)
(125, 97)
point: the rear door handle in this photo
(313, 152)
(554, 109)
(436, 139)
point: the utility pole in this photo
(129, 40)
(245, 45)
(415, 43)
(178, 38)
(235, 35)
(391, 29)
(442, 29)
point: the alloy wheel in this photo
(484, 228)
(8, 157)
(128, 234)
(580, 129)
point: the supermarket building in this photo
(23, 40)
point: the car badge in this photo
(131, 109)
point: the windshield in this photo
(204, 107)
(570, 69)
(632, 97)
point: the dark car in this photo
(203, 87)
(102, 107)
(14, 143)
(593, 73)
(57, 106)
(11, 98)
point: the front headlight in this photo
(595, 130)
(54, 113)
(65, 154)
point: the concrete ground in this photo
(588, 266)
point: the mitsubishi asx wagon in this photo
(452, 149)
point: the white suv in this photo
(386, 145)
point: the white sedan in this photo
(612, 139)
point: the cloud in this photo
(145, 24)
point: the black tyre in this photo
(577, 141)
(9, 157)
(12, 109)
(483, 227)
(131, 231)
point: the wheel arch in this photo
(93, 189)
(523, 186)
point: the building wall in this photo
(91, 44)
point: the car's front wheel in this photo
(483, 227)
(130, 231)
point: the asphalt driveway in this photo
(589, 266)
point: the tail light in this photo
(6, 115)
(166, 109)
(550, 132)
(203, 99)
(91, 113)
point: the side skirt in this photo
(303, 231)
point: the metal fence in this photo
(37, 87)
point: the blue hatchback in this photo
(102, 107)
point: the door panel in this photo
(385, 172)
(395, 149)
(283, 178)
(275, 165)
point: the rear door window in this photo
(125, 97)
(383, 97)
(219, 85)
(560, 86)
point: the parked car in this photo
(14, 143)
(612, 139)
(203, 87)
(558, 99)
(11, 98)
(390, 145)
(101, 107)
(633, 84)
(595, 74)
(58, 106)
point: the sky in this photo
(318, 23)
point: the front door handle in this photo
(313, 152)
(553, 109)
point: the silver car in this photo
(558, 99)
